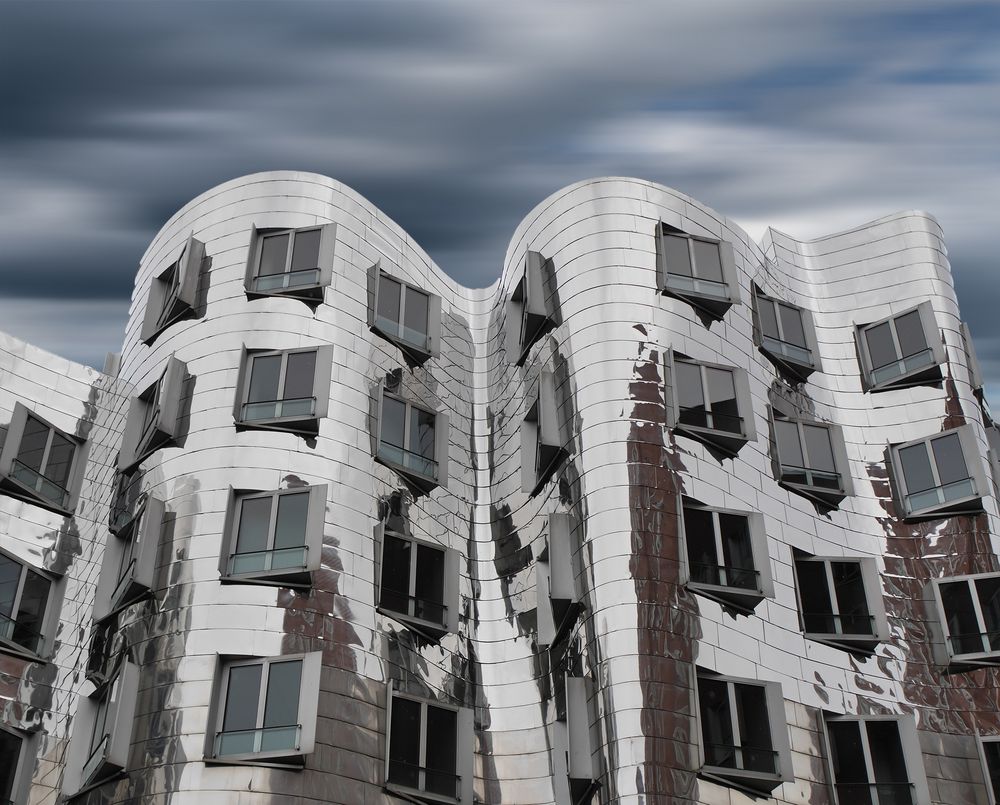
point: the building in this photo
(663, 516)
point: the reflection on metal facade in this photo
(656, 518)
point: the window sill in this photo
(727, 441)
(299, 578)
(17, 650)
(429, 629)
(282, 760)
(743, 600)
(16, 489)
(800, 370)
(864, 644)
(822, 495)
(927, 375)
(420, 482)
(968, 505)
(307, 426)
(311, 295)
(712, 304)
(753, 782)
(416, 353)
(416, 795)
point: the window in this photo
(969, 615)
(812, 459)
(405, 315)
(129, 569)
(708, 402)
(418, 582)
(413, 441)
(724, 555)
(266, 709)
(173, 294)
(531, 308)
(903, 350)
(976, 379)
(840, 601)
(291, 262)
(699, 270)
(41, 464)
(26, 607)
(543, 440)
(989, 749)
(430, 748)
(786, 335)
(102, 732)
(154, 416)
(576, 739)
(939, 475)
(556, 573)
(127, 501)
(744, 739)
(274, 537)
(284, 390)
(876, 760)
(17, 755)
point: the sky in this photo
(456, 117)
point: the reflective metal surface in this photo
(640, 634)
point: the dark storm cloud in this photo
(457, 117)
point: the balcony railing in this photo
(786, 349)
(698, 417)
(263, 739)
(413, 607)
(876, 793)
(975, 642)
(941, 495)
(408, 460)
(911, 363)
(398, 330)
(38, 483)
(265, 561)
(279, 409)
(699, 287)
(826, 623)
(725, 576)
(806, 476)
(302, 278)
(745, 758)
(19, 634)
(433, 781)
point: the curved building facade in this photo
(665, 515)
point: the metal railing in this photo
(408, 460)
(725, 576)
(37, 482)
(876, 793)
(787, 349)
(939, 495)
(984, 642)
(277, 409)
(422, 778)
(264, 561)
(805, 476)
(19, 634)
(414, 607)
(261, 739)
(695, 285)
(402, 332)
(841, 625)
(713, 420)
(744, 758)
(301, 278)
(910, 363)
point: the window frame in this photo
(9, 454)
(450, 593)
(944, 640)
(557, 581)
(919, 375)
(909, 745)
(970, 503)
(128, 571)
(45, 637)
(298, 576)
(992, 786)
(464, 741)
(871, 580)
(727, 441)
(714, 305)
(311, 293)
(530, 310)
(154, 416)
(544, 442)
(742, 599)
(838, 447)
(126, 501)
(778, 353)
(755, 782)
(26, 753)
(294, 423)
(308, 710)
(419, 481)
(173, 292)
(414, 352)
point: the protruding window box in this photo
(285, 390)
(129, 570)
(556, 573)
(296, 263)
(413, 441)
(173, 293)
(127, 502)
(786, 335)
(939, 475)
(531, 309)
(812, 459)
(967, 630)
(154, 416)
(544, 445)
(404, 315)
(576, 740)
(902, 350)
(699, 270)
(29, 608)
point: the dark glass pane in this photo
(880, 347)
(255, 519)
(708, 265)
(421, 432)
(949, 459)
(887, 752)
(10, 575)
(305, 253)
(273, 253)
(791, 325)
(264, 372)
(430, 584)
(916, 468)
(735, 532)
(404, 743)
(849, 587)
(988, 591)
(716, 723)
(722, 394)
(393, 421)
(699, 531)
(992, 751)
(848, 755)
(299, 375)
(31, 610)
(677, 254)
(442, 745)
(10, 750)
(242, 698)
(814, 594)
(32, 447)
(910, 333)
(60, 460)
(394, 589)
(768, 321)
(755, 729)
(389, 292)
(789, 449)
(282, 706)
(690, 396)
(291, 528)
(818, 448)
(960, 614)
(416, 311)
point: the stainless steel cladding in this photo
(664, 515)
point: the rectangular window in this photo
(786, 335)
(812, 459)
(556, 583)
(154, 416)
(126, 502)
(291, 262)
(902, 350)
(744, 739)
(700, 270)
(709, 402)
(725, 555)
(40, 463)
(407, 316)
(969, 608)
(543, 438)
(129, 569)
(875, 760)
(941, 474)
(990, 750)
(275, 536)
(285, 390)
(10, 765)
(840, 601)
(266, 709)
(531, 308)
(24, 601)
(173, 293)
(413, 441)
